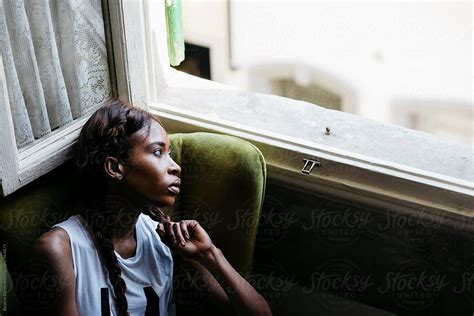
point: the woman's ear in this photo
(113, 168)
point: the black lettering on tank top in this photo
(152, 302)
(104, 302)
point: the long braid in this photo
(105, 248)
(107, 133)
(116, 139)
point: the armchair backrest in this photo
(223, 185)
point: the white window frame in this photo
(19, 167)
(143, 73)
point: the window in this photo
(354, 158)
(359, 159)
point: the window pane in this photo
(403, 63)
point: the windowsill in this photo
(359, 153)
(350, 133)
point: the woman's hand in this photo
(185, 237)
(189, 239)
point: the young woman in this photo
(116, 257)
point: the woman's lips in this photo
(173, 189)
(174, 186)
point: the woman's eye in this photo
(157, 152)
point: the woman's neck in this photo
(120, 214)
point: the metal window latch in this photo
(309, 165)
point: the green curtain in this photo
(174, 23)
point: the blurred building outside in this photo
(407, 63)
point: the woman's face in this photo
(153, 174)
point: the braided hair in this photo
(108, 133)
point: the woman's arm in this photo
(189, 239)
(52, 251)
(244, 298)
(201, 280)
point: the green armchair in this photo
(222, 186)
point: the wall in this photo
(319, 255)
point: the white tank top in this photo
(148, 275)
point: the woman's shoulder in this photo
(58, 236)
(54, 243)
(72, 231)
(58, 233)
(73, 220)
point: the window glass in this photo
(404, 63)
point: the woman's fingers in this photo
(170, 232)
(174, 232)
(184, 229)
(179, 236)
(160, 229)
(178, 233)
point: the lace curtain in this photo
(55, 62)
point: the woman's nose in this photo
(175, 168)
